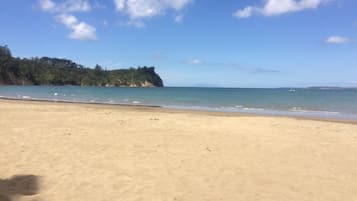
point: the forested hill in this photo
(53, 71)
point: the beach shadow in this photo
(18, 185)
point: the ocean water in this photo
(320, 103)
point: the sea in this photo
(327, 103)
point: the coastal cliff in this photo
(54, 71)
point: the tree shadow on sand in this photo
(18, 185)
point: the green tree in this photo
(54, 71)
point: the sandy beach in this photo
(77, 152)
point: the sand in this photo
(108, 153)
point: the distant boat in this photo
(292, 90)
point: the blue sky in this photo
(226, 43)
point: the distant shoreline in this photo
(154, 108)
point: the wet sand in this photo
(106, 153)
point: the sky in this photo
(202, 43)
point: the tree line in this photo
(55, 71)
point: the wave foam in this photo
(299, 109)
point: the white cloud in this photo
(47, 5)
(244, 13)
(77, 6)
(178, 19)
(278, 7)
(136, 23)
(338, 40)
(119, 4)
(68, 20)
(233, 65)
(67, 6)
(83, 31)
(139, 9)
(79, 30)
(194, 61)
